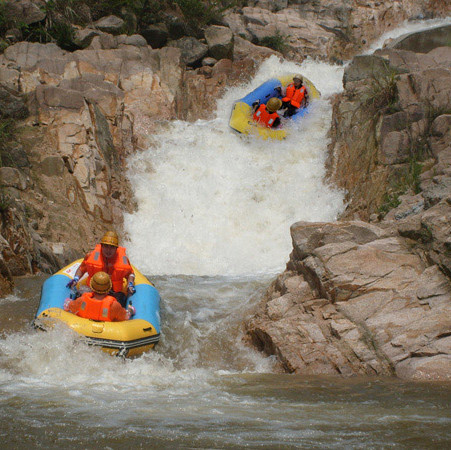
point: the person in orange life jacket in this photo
(295, 97)
(267, 114)
(110, 258)
(98, 305)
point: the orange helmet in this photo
(100, 283)
(110, 238)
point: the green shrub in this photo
(61, 14)
(389, 202)
(413, 176)
(3, 21)
(278, 42)
(198, 14)
(3, 45)
(60, 32)
(64, 35)
(66, 9)
(146, 11)
(410, 179)
(382, 94)
(7, 129)
(5, 200)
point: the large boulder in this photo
(242, 49)
(369, 67)
(12, 177)
(84, 37)
(356, 300)
(25, 11)
(220, 42)
(111, 24)
(192, 50)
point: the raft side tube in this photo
(263, 93)
(53, 293)
(146, 300)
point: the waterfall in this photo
(213, 202)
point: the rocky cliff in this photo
(375, 298)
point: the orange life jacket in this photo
(295, 96)
(119, 268)
(90, 308)
(263, 116)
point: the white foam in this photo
(211, 201)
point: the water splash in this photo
(215, 202)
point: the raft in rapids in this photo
(241, 116)
(127, 338)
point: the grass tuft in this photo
(278, 42)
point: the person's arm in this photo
(131, 283)
(118, 314)
(73, 306)
(276, 122)
(81, 270)
(131, 278)
(280, 91)
(78, 274)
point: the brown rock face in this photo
(375, 298)
(89, 109)
(355, 299)
(383, 128)
(331, 29)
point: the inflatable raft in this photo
(241, 117)
(128, 338)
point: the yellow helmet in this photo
(110, 238)
(100, 283)
(273, 104)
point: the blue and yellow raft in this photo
(128, 338)
(241, 117)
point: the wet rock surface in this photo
(356, 299)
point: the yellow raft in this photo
(127, 338)
(241, 117)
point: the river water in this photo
(211, 232)
(201, 388)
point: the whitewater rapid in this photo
(213, 202)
